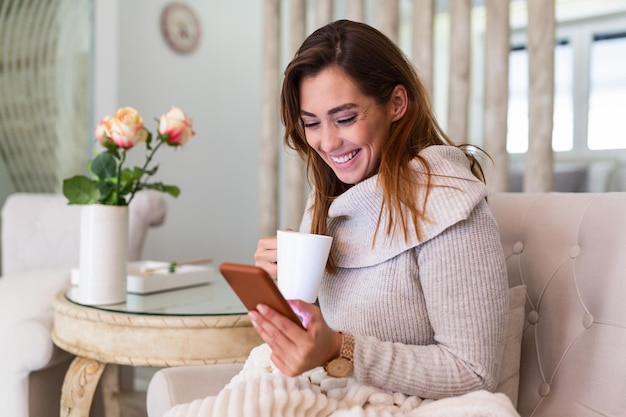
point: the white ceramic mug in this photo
(301, 260)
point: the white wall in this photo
(218, 85)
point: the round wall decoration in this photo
(180, 27)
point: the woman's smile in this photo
(344, 159)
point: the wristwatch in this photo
(342, 365)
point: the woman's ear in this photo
(399, 102)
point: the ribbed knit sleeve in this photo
(429, 316)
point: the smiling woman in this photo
(414, 296)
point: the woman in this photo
(414, 299)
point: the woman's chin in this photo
(349, 178)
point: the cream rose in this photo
(102, 134)
(110, 181)
(125, 128)
(177, 126)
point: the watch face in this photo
(339, 367)
(180, 27)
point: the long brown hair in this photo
(376, 65)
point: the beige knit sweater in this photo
(429, 316)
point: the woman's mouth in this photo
(344, 158)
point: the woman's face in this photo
(344, 126)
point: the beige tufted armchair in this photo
(40, 246)
(569, 251)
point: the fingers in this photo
(307, 312)
(295, 350)
(265, 255)
(327, 342)
(270, 268)
(266, 243)
(279, 329)
(286, 340)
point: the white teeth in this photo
(345, 158)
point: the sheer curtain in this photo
(44, 82)
(282, 205)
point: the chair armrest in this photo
(39, 230)
(171, 386)
(29, 346)
(26, 319)
(148, 209)
(29, 294)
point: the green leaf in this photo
(172, 190)
(114, 150)
(127, 188)
(80, 190)
(152, 171)
(104, 166)
(165, 138)
(107, 192)
(112, 200)
(149, 140)
(132, 175)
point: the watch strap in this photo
(345, 352)
(347, 346)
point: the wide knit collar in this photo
(354, 214)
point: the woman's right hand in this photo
(265, 255)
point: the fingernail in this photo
(252, 316)
(262, 308)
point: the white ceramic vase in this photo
(103, 254)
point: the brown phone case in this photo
(254, 286)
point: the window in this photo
(607, 95)
(590, 88)
(562, 133)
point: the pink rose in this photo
(177, 125)
(102, 134)
(125, 128)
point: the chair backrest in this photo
(42, 230)
(569, 249)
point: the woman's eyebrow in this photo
(332, 111)
(306, 113)
(346, 106)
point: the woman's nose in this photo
(330, 139)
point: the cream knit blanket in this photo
(261, 390)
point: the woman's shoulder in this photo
(446, 160)
(455, 191)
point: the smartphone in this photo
(254, 286)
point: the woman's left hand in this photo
(296, 350)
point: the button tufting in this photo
(518, 247)
(533, 317)
(544, 389)
(574, 251)
(588, 321)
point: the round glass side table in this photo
(205, 324)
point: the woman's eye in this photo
(308, 125)
(347, 120)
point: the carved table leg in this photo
(79, 386)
